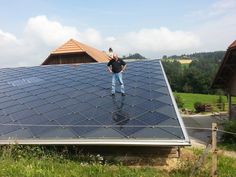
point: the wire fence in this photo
(211, 145)
(115, 126)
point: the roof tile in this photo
(73, 46)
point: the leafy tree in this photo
(174, 74)
(134, 56)
(197, 77)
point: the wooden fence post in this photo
(214, 150)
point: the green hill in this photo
(217, 55)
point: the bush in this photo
(199, 107)
(231, 127)
(179, 101)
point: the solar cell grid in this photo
(67, 102)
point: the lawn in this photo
(48, 162)
(190, 98)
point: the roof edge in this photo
(181, 122)
(118, 142)
(224, 60)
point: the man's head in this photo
(110, 49)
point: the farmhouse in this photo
(75, 52)
(226, 77)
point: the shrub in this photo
(208, 108)
(231, 127)
(179, 101)
(199, 107)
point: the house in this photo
(226, 77)
(75, 52)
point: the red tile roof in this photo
(73, 46)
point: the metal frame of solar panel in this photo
(72, 104)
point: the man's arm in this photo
(109, 66)
(124, 64)
(123, 67)
(109, 69)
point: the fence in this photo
(213, 146)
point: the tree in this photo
(197, 77)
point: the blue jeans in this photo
(117, 77)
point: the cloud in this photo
(222, 7)
(218, 26)
(215, 10)
(92, 37)
(110, 39)
(218, 34)
(157, 41)
(41, 35)
(9, 47)
(6, 38)
(49, 32)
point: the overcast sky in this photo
(30, 30)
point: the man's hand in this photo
(109, 69)
(123, 68)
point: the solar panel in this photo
(61, 104)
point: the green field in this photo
(190, 98)
(39, 161)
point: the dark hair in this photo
(110, 49)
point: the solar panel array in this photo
(74, 102)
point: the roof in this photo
(233, 45)
(227, 68)
(72, 104)
(73, 46)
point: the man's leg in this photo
(122, 87)
(113, 84)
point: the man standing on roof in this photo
(116, 66)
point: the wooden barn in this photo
(226, 77)
(75, 52)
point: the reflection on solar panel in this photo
(71, 104)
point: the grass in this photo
(227, 146)
(52, 161)
(190, 98)
(226, 166)
(62, 162)
(57, 167)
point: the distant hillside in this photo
(218, 55)
(134, 56)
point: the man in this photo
(110, 53)
(117, 66)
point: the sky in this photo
(30, 30)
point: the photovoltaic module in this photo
(72, 104)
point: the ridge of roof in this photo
(68, 47)
(77, 43)
(93, 52)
